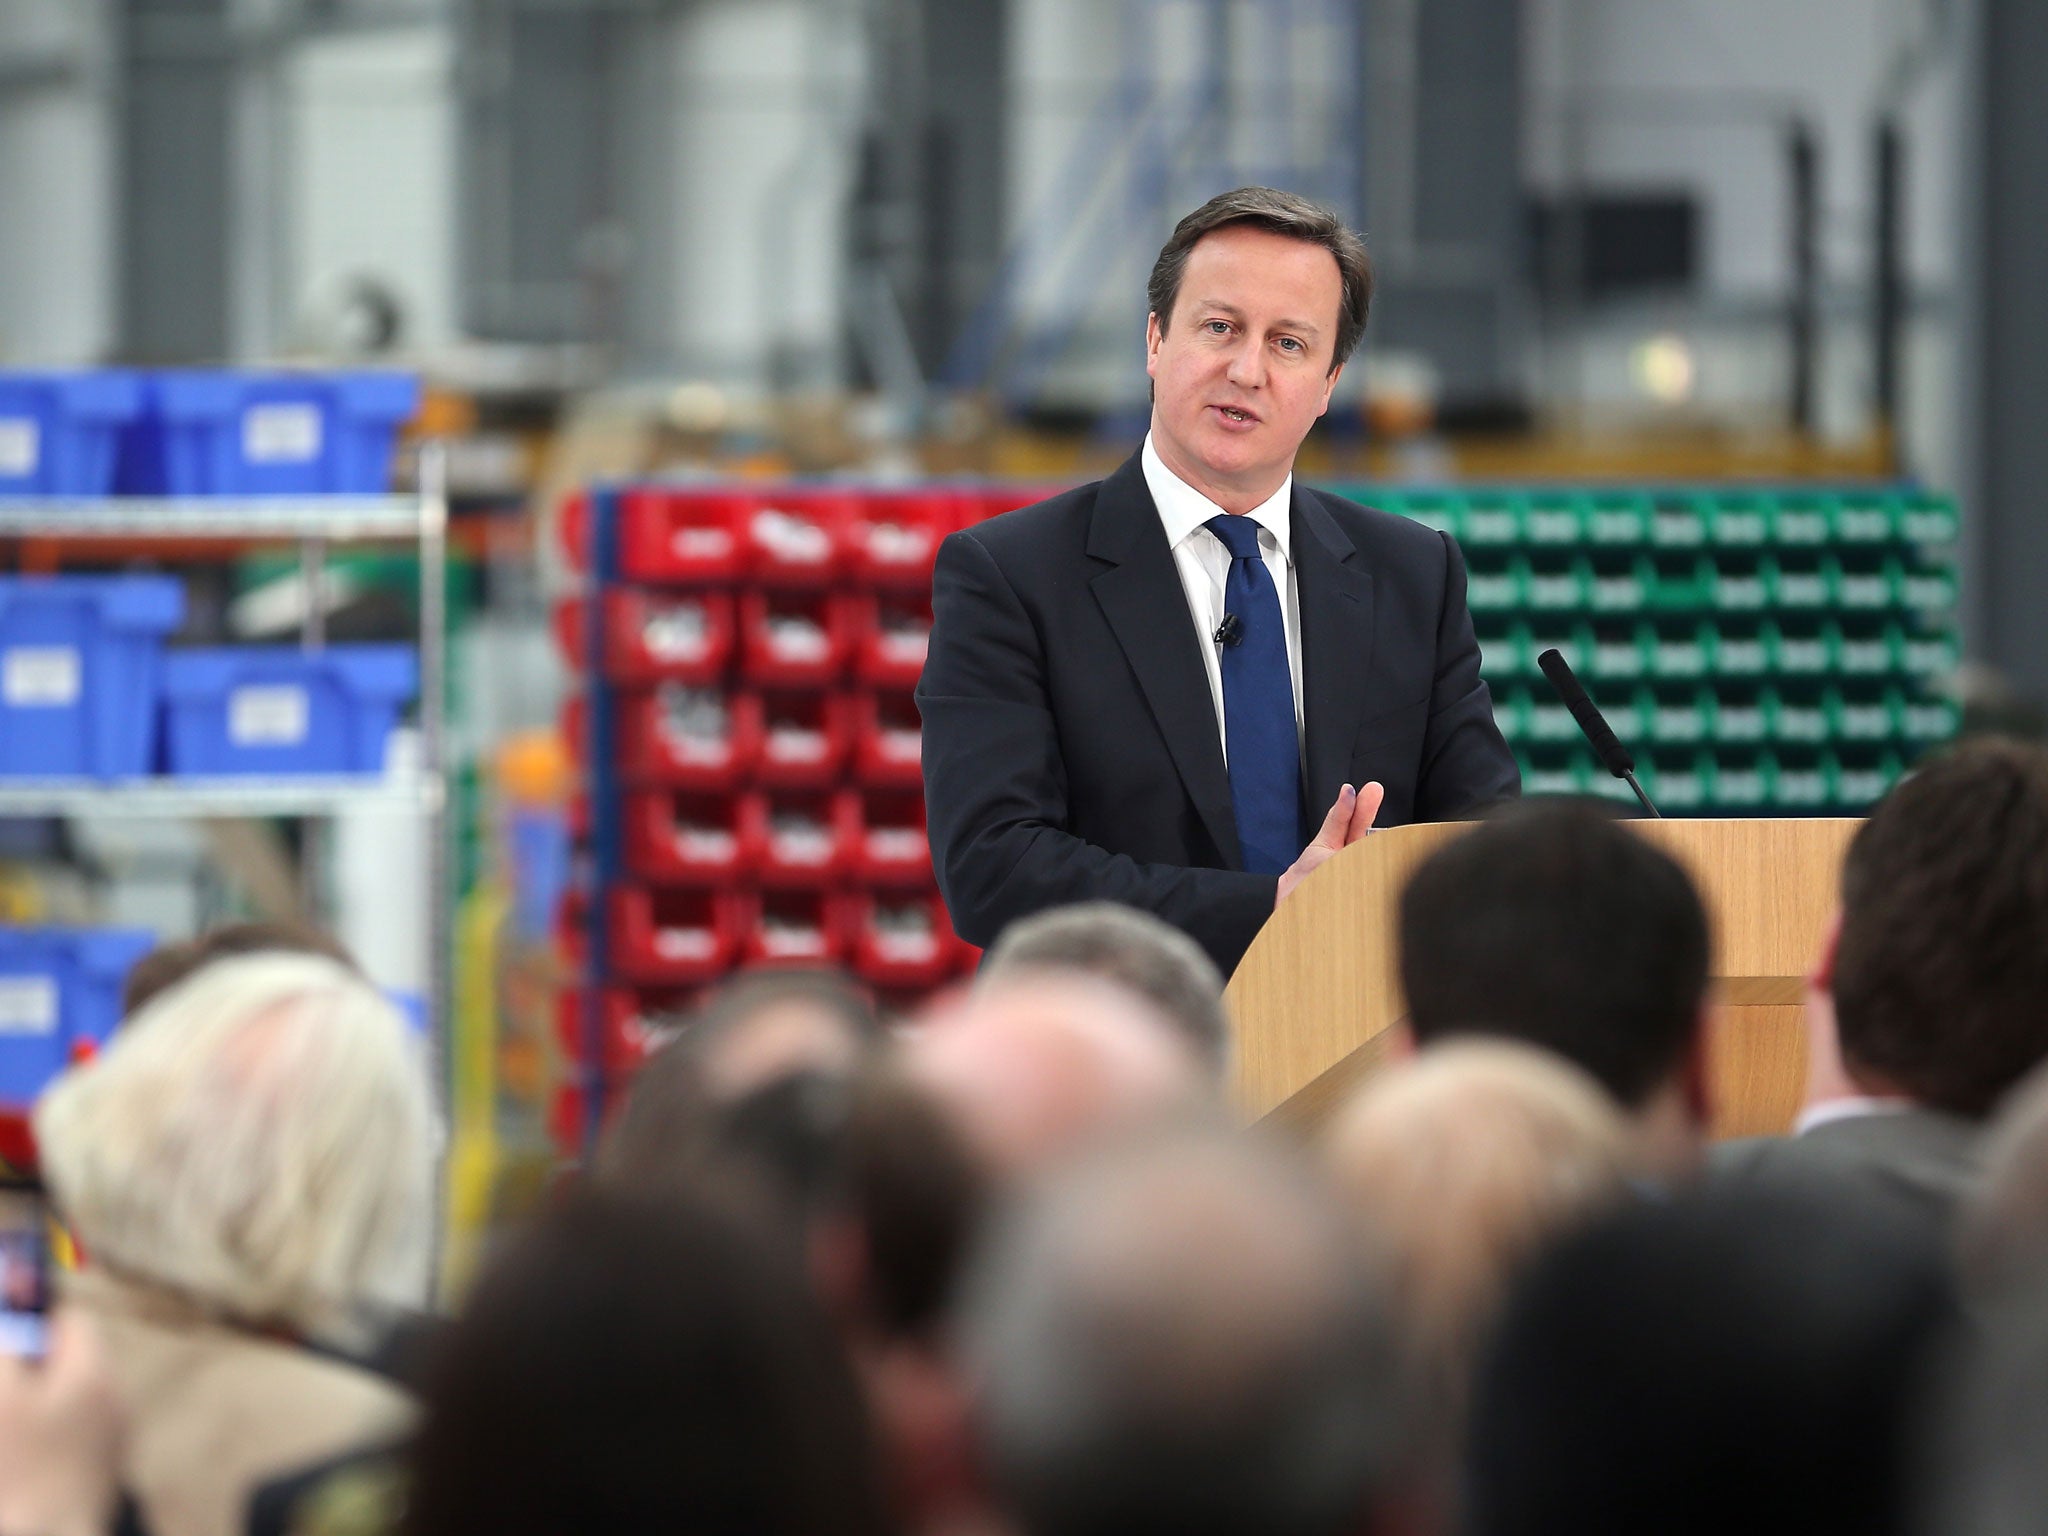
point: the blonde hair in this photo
(1466, 1161)
(258, 1140)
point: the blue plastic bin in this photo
(58, 986)
(277, 710)
(268, 434)
(80, 665)
(60, 432)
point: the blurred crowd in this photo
(1014, 1267)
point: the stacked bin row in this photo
(194, 432)
(759, 650)
(1764, 652)
(89, 691)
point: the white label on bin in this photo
(40, 677)
(28, 1005)
(21, 445)
(267, 716)
(281, 434)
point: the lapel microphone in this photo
(1230, 631)
(1619, 760)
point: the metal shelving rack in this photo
(313, 523)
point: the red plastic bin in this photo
(566, 1114)
(572, 927)
(632, 1025)
(802, 837)
(796, 535)
(903, 941)
(691, 836)
(796, 928)
(891, 632)
(572, 529)
(652, 637)
(894, 536)
(686, 738)
(888, 739)
(895, 847)
(684, 535)
(675, 937)
(795, 639)
(674, 736)
(804, 739)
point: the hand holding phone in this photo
(24, 1269)
(60, 1436)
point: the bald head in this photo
(1038, 1064)
(1183, 1335)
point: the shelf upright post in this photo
(316, 837)
(602, 787)
(433, 553)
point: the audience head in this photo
(915, 1193)
(1982, 1470)
(1468, 1159)
(1553, 924)
(1941, 967)
(782, 1043)
(1184, 1335)
(637, 1366)
(1710, 1365)
(1037, 1064)
(2003, 1225)
(258, 1139)
(170, 964)
(1151, 957)
(766, 1025)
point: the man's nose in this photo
(1247, 365)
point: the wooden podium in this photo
(1316, 998)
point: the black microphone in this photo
(1230, 631)
(1617, 757)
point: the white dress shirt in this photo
(1855, 1107)
(1204, 563)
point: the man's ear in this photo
(1154, 334)
(1329, 387)
(1822, 977)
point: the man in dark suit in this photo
(1146, 689)
(1927, 1004)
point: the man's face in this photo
(1242, 370)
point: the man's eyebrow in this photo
(1218, 307)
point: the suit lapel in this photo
(1147, 608)
(1336, 604)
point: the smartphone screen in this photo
(24, 1268)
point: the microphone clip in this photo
(1230, 631)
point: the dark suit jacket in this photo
(1070, 742)
(1915, 1163)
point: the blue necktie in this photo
(1258, 706)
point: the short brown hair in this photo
(1553, 924)
(1278, 213)
(163, 968)
(1941, 975)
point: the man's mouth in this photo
(1234, 413)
